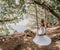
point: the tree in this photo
(12, 10)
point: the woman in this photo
(41, 30)
(41, 38)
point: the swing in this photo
(42, 40)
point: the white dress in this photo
(41, 30)
(42, 40)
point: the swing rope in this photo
(36, 18)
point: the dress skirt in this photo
(42, 40)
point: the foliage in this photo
(11, 12)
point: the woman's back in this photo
(41, 30)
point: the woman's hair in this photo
(42, 22)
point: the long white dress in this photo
(42, 40)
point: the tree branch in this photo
(7, 20)
(48, 8)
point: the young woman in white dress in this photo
(41, 38)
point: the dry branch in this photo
(23, 41)
(48, 7)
